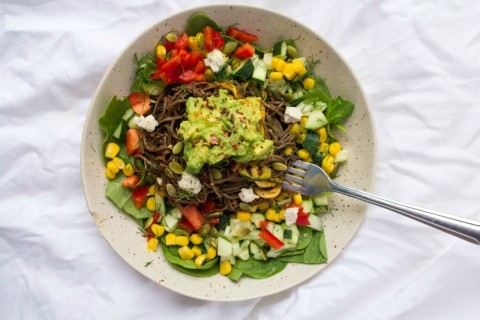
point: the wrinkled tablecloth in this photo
(418, 63)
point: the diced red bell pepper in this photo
(200, 67)
(302, 219)
(132, 141)
(212, 39)
(172, 64)
(169, 45)
(269, 238)
(241, 35)
(193, 215)
(182, 42)
(245, 51)
(139, 196)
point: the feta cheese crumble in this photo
(190, 183)
(291, 215)
(247, 195)
(292, 114)
(215, 60)
(148, 123)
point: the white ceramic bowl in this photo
(121, 231)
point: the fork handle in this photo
(462, 228)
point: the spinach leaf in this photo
(198, 272)
(315, 253)
(260, 269)
(111, 119)
(304, 240)
(339, 110)
(122, 197)
(310, 143)
(171, 254)
(198, 22)
(319, 93)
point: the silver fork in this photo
(309, 179)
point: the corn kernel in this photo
(281, 214)
(280, 65)
(209, 75)
(323, 134)
(295, 128)
(170, 239)
(211, 253)
(128, 170)
(160, 51)
(243, 216)
(157, 229)
(303, 154)
(288, 151)
(111, 150)
(118, 162)
(334, 148)
(152, 244)
(309, 159)
(182, 241)
(186, 253)
(200, 259)
(196, 251)
(275, 61)
(110, 175)
(270, 214)
(297, 198)
(308, 83)
(327, 164)
(276, 75)
(152, 189)
(151, 205)
(302, 71)
(289, 71)
(161, 193)
(199, 40)
(196, 239)
(298, 65)
(192, 43)
(225, 267)
(112, 167)
(277, 217)
(323, 147)
(303, 122)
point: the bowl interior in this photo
(340, 226)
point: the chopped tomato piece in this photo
(132, 141)
(131, 182)
(269, 238)
(302, 219)
(139, 196)
(182, 42)
(186, 226)
(200, 67)
(212, 39)
(208, 206)
(193, 215)
(140, 102)
(187, 77)
(245, 51)
(241, 35)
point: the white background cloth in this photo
(419, 65)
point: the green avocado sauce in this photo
(222, 127)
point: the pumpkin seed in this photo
(177, 148)
(216, 174)
(148, 223)
(171, 190)
(245, 207)
(212, 243)
(204, 231)
(279, 166)
(243, 231)
(169, 173)
(213, 232)
(292, 52)
(215, 214)
(176, 167)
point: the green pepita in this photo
(279, 166)
(215, 214)
(175, 167)
(245, 207)
(216, 174)
(177, 148)
(169, 173)
(171, 190)
(213, 232)
(204, 231)
(292, 52)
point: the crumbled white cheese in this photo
(292, 114)
(190, 183)
(291, 215)
(247, 195)
(148, 123)
(215, 60)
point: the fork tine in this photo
(293, 187)
(289, 177)
(296, 171)
(301, 164)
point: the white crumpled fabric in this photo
(419, 65)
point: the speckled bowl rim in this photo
(219, 288)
